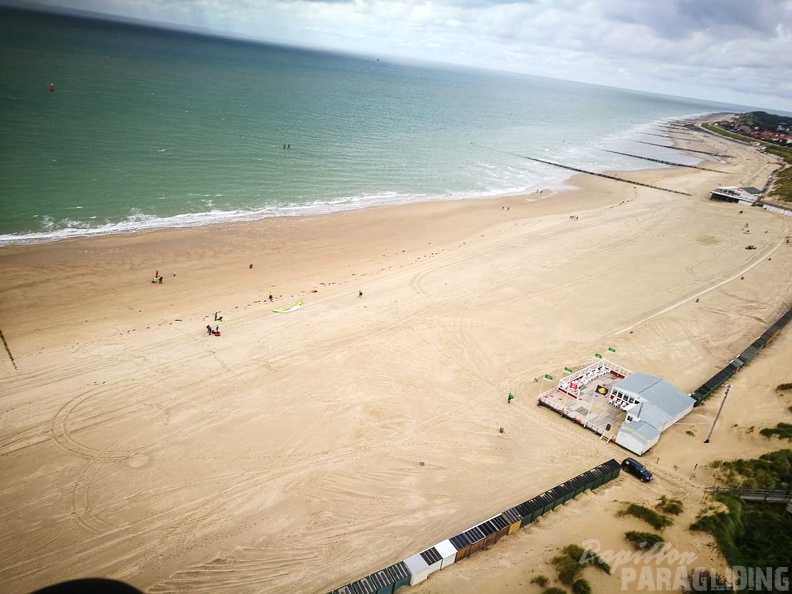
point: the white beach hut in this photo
(418, 568)
(447, 552)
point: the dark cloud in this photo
(755, 15)
(675, 19)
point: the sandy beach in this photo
(283, 455)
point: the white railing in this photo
(571, 384)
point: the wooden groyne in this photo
(686, 150)
(662, 161)
(606, 176)
(676, 129)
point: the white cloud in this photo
(724, 50)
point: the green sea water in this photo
(150, 128)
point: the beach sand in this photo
(283, 455)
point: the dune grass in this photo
(782, 431)
(643, 540)
(650, 516)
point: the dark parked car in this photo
(636, 469)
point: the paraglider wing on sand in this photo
(296, 305)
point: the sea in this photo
(114, 128)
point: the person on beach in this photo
(270, 297)
(209, 330)
(216, 316)
(217, 330)
(360, 294)
(159, 279)
(511, 397)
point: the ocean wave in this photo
(52, 230)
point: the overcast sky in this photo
(734, 51)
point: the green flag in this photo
(567, 369)
(611, 350)
(549, 377)
(597, 355)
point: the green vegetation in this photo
(581, 586)
(567, 568)
(670, 506)
(702, 580)
(782, 184)
(782, 431)
(577, 552)
(569, 565)
(769, 471)
(643, 540)
(784, 387)
(724, 526)
(722, 132)
(554, 591)
(748, 534)
(540, 580)
(763, 120)
(650, 516)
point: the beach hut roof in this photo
(445, 548)
(431, 556)
(416, 564)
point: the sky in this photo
(730, 51)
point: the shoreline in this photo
(286, 450)
(196, 220)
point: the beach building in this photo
(747, 196)
(631, 409)
(651, 405)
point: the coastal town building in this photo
(629, 408)
(747, 196)
(652, 406)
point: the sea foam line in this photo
(72, 229)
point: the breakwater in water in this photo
(605, 175)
